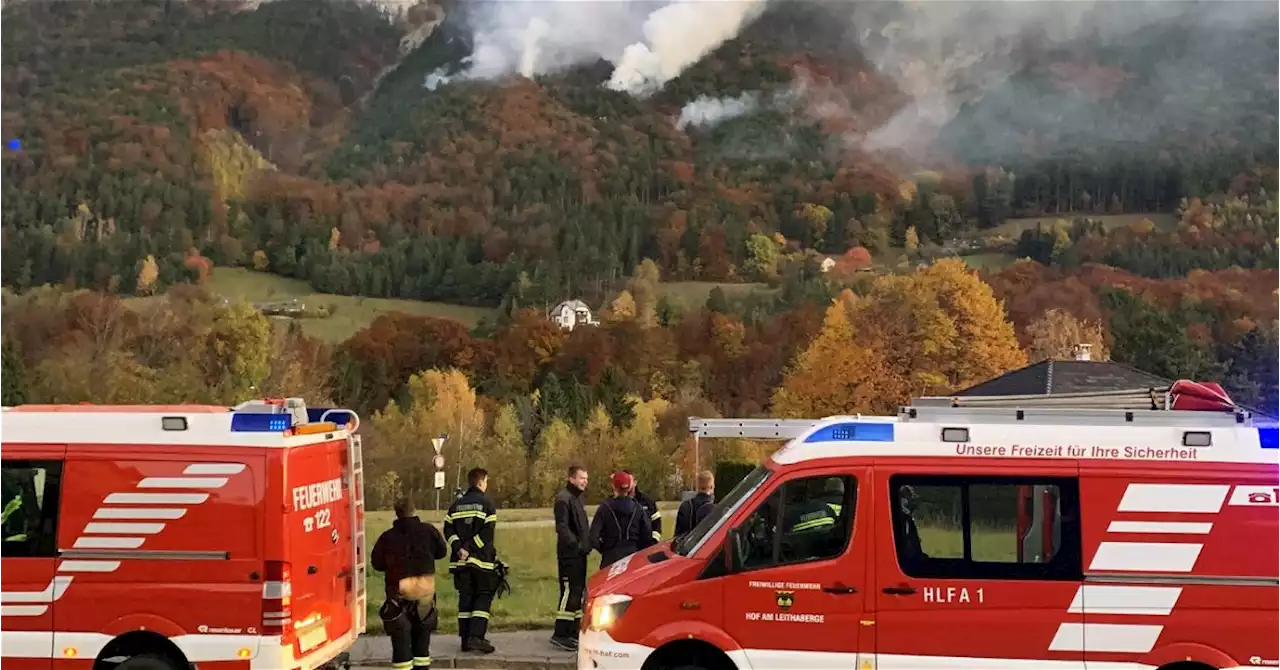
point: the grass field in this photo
(352, 313)
(530, 552)
(694, 294)
(1014, 227)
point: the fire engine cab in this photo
(1116, 531)
(173, 537)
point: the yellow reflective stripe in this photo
(834, 508)
(480, 615)
(657, 536)
(472, 560)
(492, 518)
(816, 523)
(452, 539)
(564, 616)
(464, 615)
(421, 661)
(402, 665)
(655, 516)
(479, 542)
(467, 515)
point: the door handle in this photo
(903, 590)
(839, 589)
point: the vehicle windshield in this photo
(685, 543)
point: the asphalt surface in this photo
(515, 650)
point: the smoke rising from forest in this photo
(946, 54)
(942, 54)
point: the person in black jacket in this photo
(651, 507)
(572, 548)
(407, 553)
(695, 509)
(473, 559)
(621, 526)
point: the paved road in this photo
(516, 650)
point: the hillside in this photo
(248, 134)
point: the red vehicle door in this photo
(31, 483)
(967, 549)
(795, 598)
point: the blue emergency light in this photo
(853, 431)
(1267, 437)
(258, 422)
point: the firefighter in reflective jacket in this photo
(407, 553)
(621, 526)
(473, 559)
(650, 507)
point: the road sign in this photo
(439, 480)
(438, 443)
(438, 461)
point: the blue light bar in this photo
(1267, 437)
(258, 422)
(855, 432)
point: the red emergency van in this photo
(171, 537)
(963, 534)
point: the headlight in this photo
(607, 609)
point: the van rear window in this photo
(986, 527)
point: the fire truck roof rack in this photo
(1183, 404)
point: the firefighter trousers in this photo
(573, 581)
(476, 587)
(409, 624)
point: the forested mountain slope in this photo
(250, 134)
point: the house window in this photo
(987, 527)
(28, 524)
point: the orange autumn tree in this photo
(833, 375)
(941, 329)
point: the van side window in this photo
(28, 523)
(803, 520)
(986, 527)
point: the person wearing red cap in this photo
(621, 525)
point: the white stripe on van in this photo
(214, 469)
(108, 542)
(1185, 498)
(1146, 556)
(106, 528)
(1168, 527)
(1140, 600)
(88, 566)
(182, 483)
(156, 498)
(139, 513)
(1106, 637)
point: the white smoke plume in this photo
(678, 36)
(650, 43)
(945, 54)
(706, 111)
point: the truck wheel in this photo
(147, 662)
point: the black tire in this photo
(148, 662)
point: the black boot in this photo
(479, 644)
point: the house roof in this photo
(1050, 377)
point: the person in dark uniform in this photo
(407, 553)
(621, 526)
(473, 559)
(695, 509)
(572, 547)
(655, 517)
(907, 534)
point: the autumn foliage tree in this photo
(833, 375)
(1056, 334)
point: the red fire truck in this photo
(167, 537)
(1094, 533)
